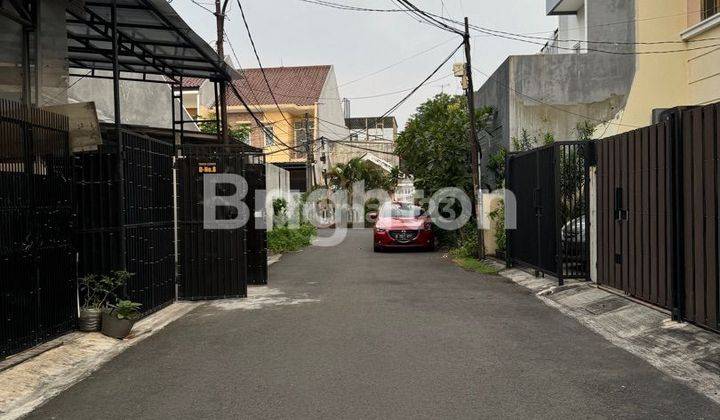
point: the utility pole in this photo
(309, 175)
(474, 143)
(222, 108)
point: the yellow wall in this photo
(691, 77)
(283, 129)
(703, 70)
(660, 79)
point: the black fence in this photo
(551, 189)
(37, 258)
(146, 232)
(658, 214)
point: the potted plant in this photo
(96, 290)
(118, 320)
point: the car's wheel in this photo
(377, 248)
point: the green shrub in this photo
(466, 244)
(498, 219)
(280, 206)
(287, 239)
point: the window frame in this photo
(269, 132)
(710, 8)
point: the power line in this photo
(397, 63)
(257, 56)
(521, 37)
(429, 17)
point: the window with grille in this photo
(710, 8)
(300, 135)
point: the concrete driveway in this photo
(346, 333)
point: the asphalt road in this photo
(396, 335)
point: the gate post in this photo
(508, 187)
(556, 162)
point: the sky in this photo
(358, 44)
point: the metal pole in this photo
(476, 153)
(118, 133)
(220, 18)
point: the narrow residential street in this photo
(363, 335)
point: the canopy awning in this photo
(153, 40)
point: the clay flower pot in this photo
(114, 327)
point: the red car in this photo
(402, 225)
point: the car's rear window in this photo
(401, 211)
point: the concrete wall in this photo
(49, 69)
(276, 179)
(552, 93)
(330, 111)
(343, 152)
(572, 27)
(141, 103)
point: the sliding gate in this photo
(551, 186)
(658, 219)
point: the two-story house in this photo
(301, 106)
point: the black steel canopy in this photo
(152, 40)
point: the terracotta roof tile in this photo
(192, 82)
(291, 85)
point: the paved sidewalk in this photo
(346, 333)
(688, 353)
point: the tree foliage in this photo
(240, 133)
(434, 146)
(344, 175)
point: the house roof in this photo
(291, 85)
(152, 38)
(192, 82)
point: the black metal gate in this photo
(212, 260)
(551, 189)
(37, 259)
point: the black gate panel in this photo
(547, 221)
(212, 262)
(256, 232)
(37, 259)
(148, 209)
(551, 189)
(521, 180)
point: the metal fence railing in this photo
(37, 259)
(148, 222)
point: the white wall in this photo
(276, 178)
(572, 27)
